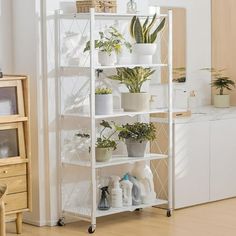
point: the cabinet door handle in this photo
(5, 172)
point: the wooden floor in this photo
(215, 219)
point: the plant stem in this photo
(222, 91)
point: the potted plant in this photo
(109, 45)
(103, 101)
(133, 79)
(221, 83)
(105, 144)
(136, 137)
(145, 38)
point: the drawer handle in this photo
(5, 203)
(5, 172)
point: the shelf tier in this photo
(106, 16)
(117, 114)
(86, 212)
(118, 160)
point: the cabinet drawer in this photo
(16, 184)
(12, 170)
(14, 202)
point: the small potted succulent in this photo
(221, 82)
(145, 37)
(103, 101)
(133, 79)
(109, 45)
(105, 144)
(136, 137)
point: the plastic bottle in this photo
(116, 193)
(104, 201)
(136, 191)
(126, 186)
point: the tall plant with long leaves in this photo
(134, 78)
(143, 33)
(220, 81)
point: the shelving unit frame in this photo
(92, 214)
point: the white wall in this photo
(198, 43)
(6, 53)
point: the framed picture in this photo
(11, 99)
(12, 142)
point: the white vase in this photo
(135, 102)
(222, 101)
(144, 52)
(103, 104)
(106, 59)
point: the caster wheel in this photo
(168, 213)
(138, 209)
(91, 229)
(61, 222)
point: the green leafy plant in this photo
(110, 41)
(220, 81)
(179, 74)
(142, 32)
(134, 78)
(104, 140)
(138, 131)
(103, 91)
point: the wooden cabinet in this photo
(223, 159)
(15, 146)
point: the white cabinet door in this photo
(223, 159)
(191, 142)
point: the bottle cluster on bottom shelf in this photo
(132, 189)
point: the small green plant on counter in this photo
(134, 78)
(104, 140)
(142, 32)
(103, 91)
(138, 132)
(220, 81)
(110, 41)
(179, 74)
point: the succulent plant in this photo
(103, 91)
(142, 32)
(133, 78)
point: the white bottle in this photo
(116, 193)
(126, 186)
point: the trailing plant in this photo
(138, 132)
(220, 81)
(134, 78)
(179, 74)
(142, 32)
(110, 41)
(104, 140)
(103, 91)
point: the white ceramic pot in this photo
(103, 154)
(106, 59)
(68, 7)
(221, 101)
(103, 104)
(135, 102)
(144, 52)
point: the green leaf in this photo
(153, 36)
(139, 37)
(132, 28)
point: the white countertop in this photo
(206, 113)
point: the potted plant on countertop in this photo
(136, 137)
(145, 38)
(109, 45)
(133, 79)
(103, 101)
(105, 143)
(221, 82)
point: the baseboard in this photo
(40, 223)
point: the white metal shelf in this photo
(106, 16)
(86, 212)
(118, 160)
(117, 114)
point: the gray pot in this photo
(135, 148)
(103, 154)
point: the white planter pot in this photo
(103, 154)
(144, 52)
(103, 104)
(222, 101)
(105, 59)
(135, 102)
(68, 7)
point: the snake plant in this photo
(142, 32)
